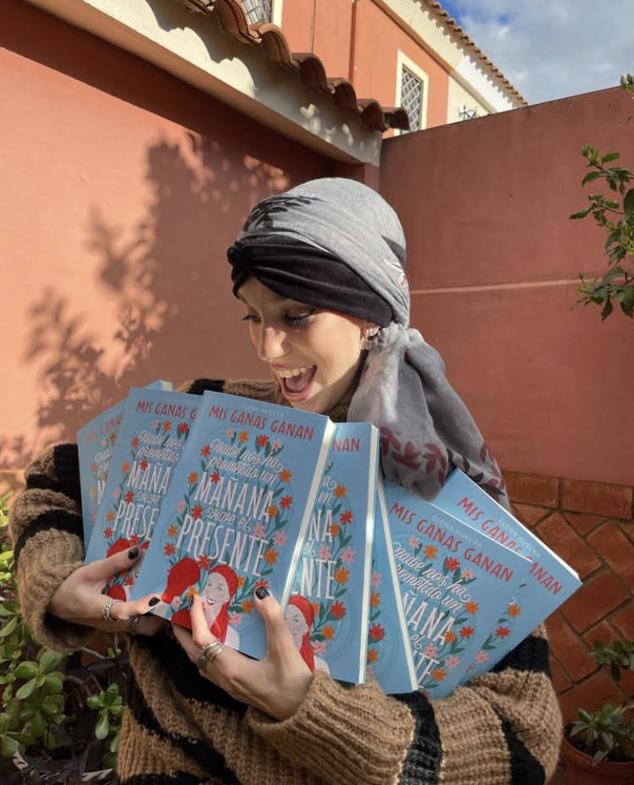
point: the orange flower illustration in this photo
(172, 531)
(514, 610)
(373, 655)
(431, 551)
(285, 475)
(328, 632)
(240, 581)
(341, 575)
(125, 467)
(244, 436)
(93, 490)
(270, 556)
(340, 491)
(438, 674)
(110, 516)
(334, 530)
(450, 636)
(193, 478)
(272, 511)
(471, 607)
(375, 599)
(247, 606)
(167, 426)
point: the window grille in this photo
(412, 98)
(258, 11)
(467, 114)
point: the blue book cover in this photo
(236, 515)
(327, 612)
(455, 582)
(549, 583)
(389, 656)
(151, 437)
(95, 443)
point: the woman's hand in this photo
(79, 599)
(276, 684)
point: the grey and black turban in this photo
(335, 243)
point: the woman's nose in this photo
(270, 345)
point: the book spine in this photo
(367, 556)
(327, 437)
(402, 621)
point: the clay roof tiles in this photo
(311, 69)
(446, 20)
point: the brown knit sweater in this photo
(503, 728)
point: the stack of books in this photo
(226, 494)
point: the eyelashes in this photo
(295, 322)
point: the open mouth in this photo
(296, 384)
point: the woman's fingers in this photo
(103, 569)
(200, 631)
(124, 611)
(279, 638)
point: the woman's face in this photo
(313, 354)
(216, 591)
(295, 621)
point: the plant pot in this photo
(580, 771)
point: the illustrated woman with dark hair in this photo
(320, 274)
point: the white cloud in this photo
(552, 48)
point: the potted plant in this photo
(599, 746)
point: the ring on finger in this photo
(208, 654)
(106, 611)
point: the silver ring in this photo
(133, 623)
(106, 611)
(208, 654)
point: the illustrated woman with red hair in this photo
(299, 617)
(218, 592)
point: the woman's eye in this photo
(300, 320)
(250, 317)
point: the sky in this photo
(550, 49)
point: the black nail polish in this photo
(262, 593)
(133, 552)
(154, 601)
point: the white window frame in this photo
(403, 61)
(276, 12)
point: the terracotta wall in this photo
(591, 526)
(121, 189)
(493, 266)
(360, 42)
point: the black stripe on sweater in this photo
(203, 754)
(183, 673)
(198, 386)
(66, 466)
(525, 769)
(62, 520)
(161, 779)
(531, 655)
(422, 762)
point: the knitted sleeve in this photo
(46, 531)
(503, 727)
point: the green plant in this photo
(58, 718)
(608, 733)
(616, 216)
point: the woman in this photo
(320, 273)
(218, 592)
(299, 617)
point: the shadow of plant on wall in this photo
(166, 280)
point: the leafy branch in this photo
(616, 216)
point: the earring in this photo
(368, 336)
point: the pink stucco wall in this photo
(494, 263)
(121, 189)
